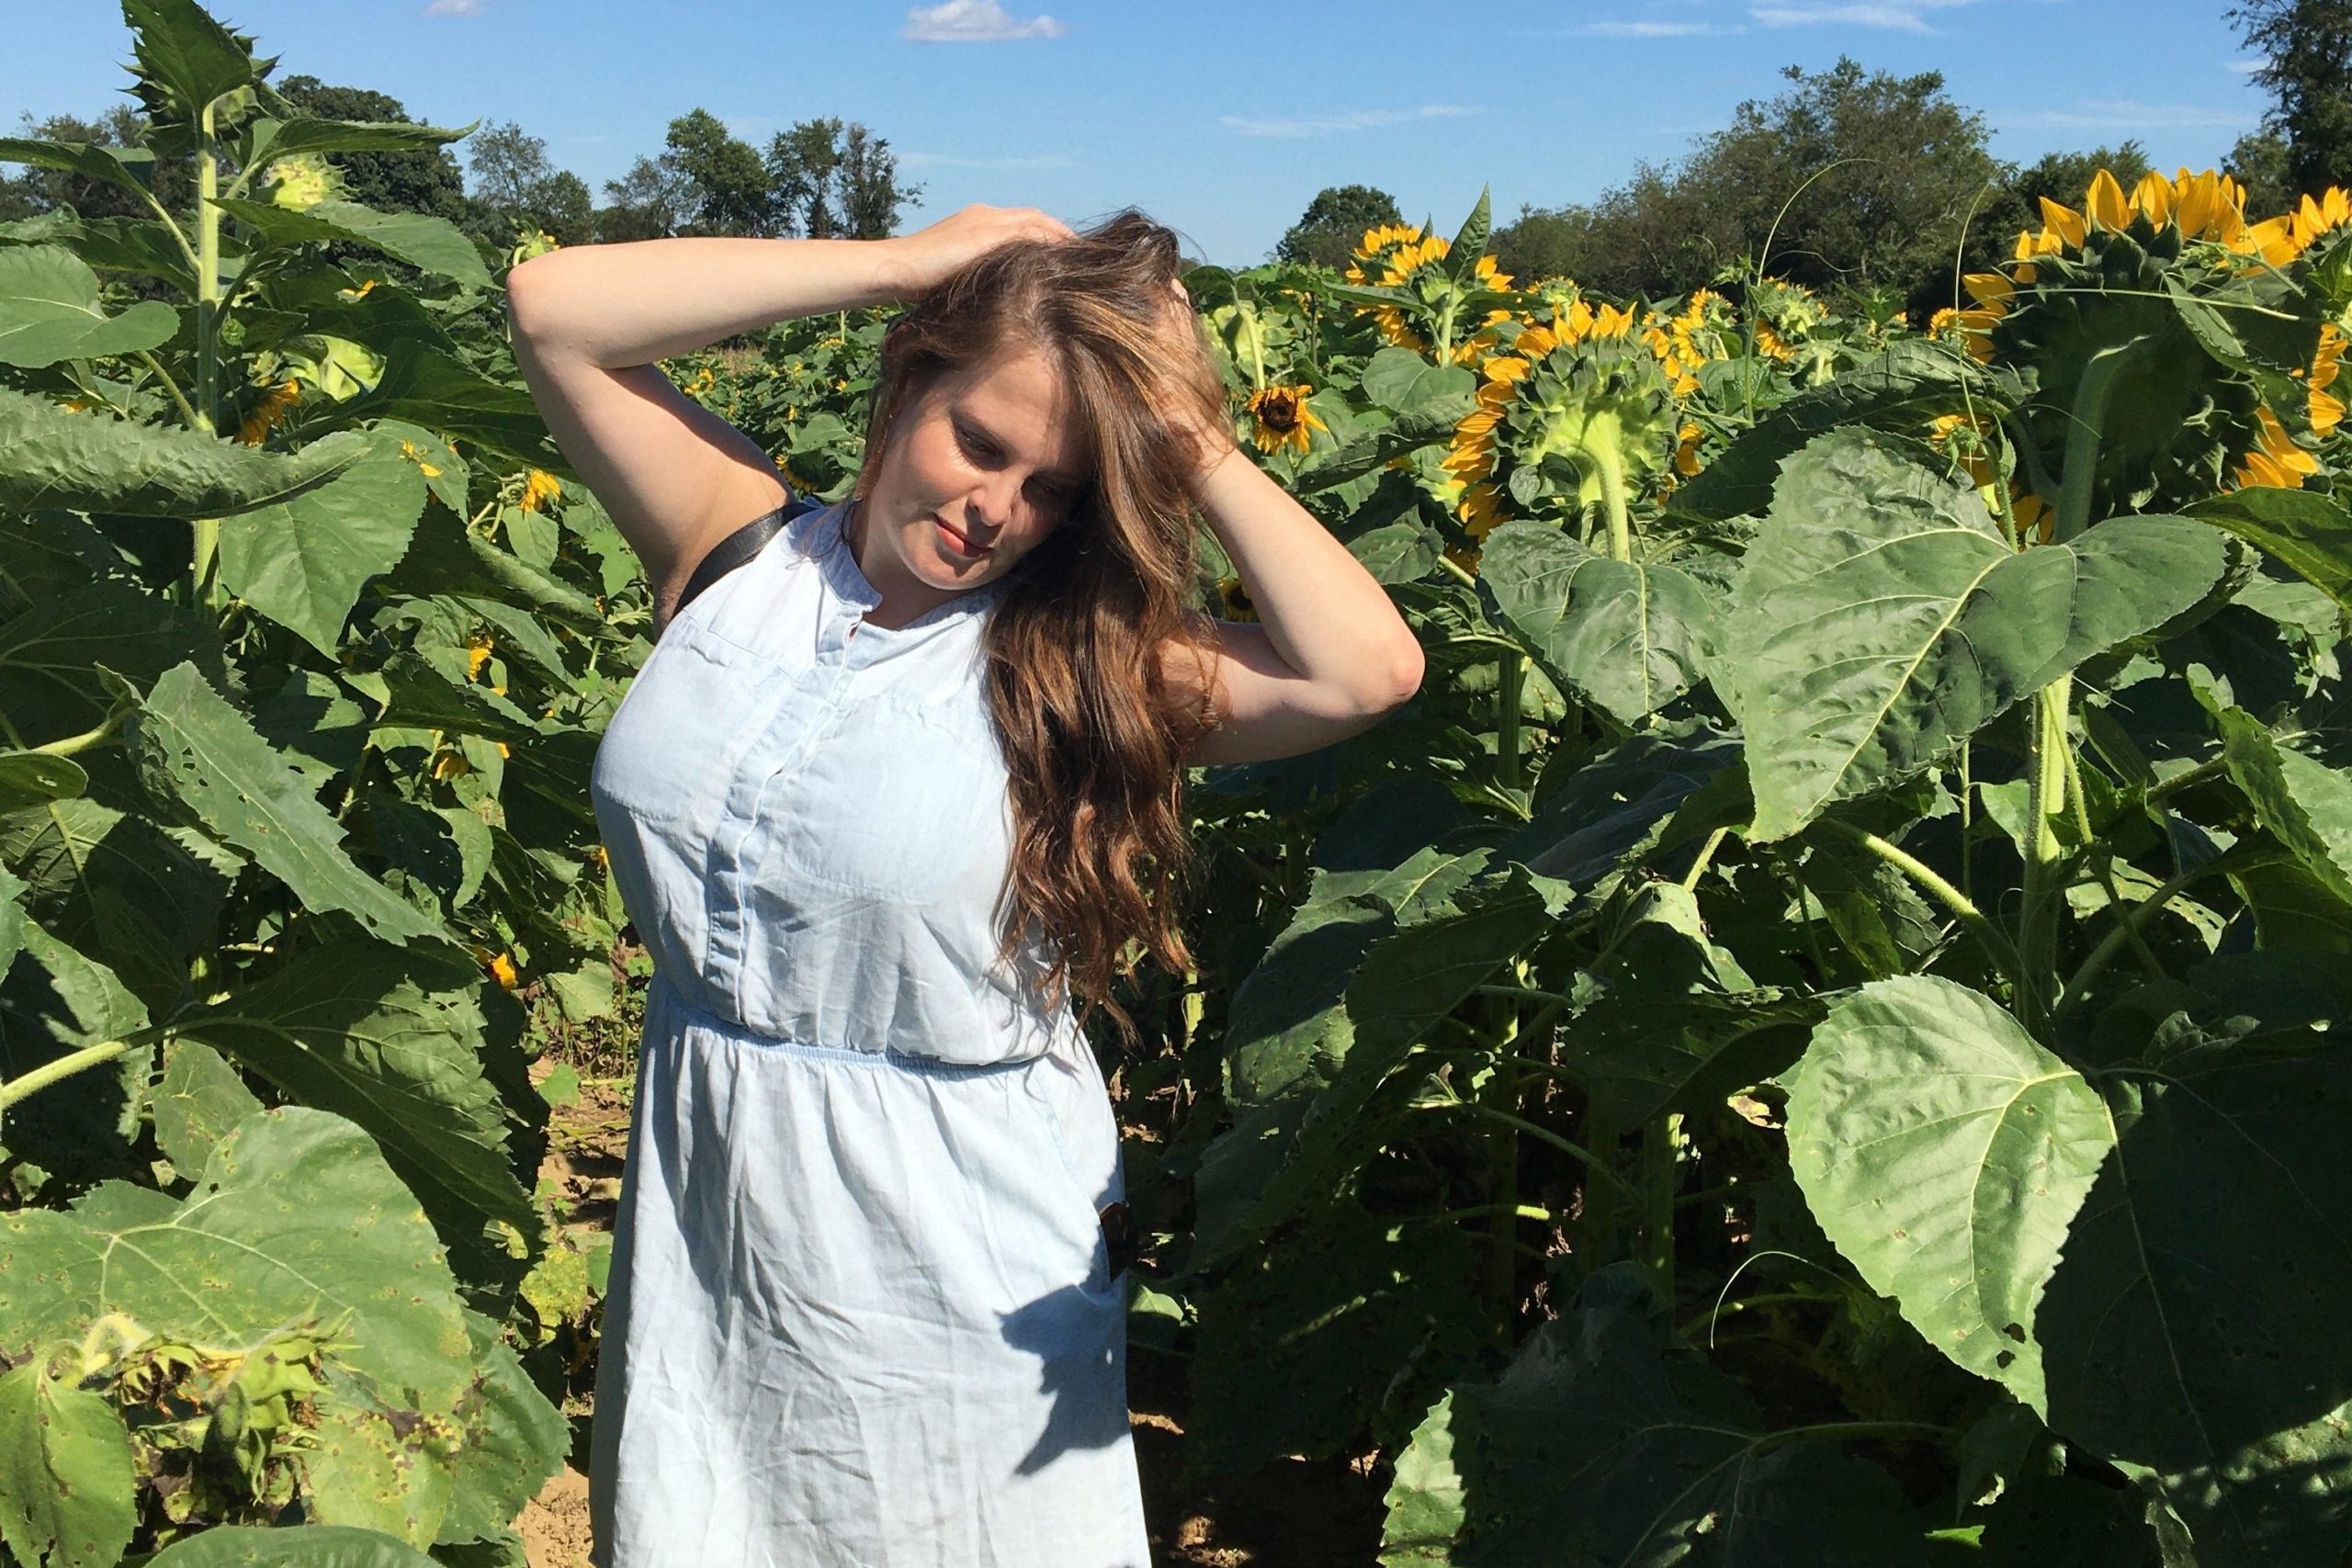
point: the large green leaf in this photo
(2195, 1324)
(303, 1546)
(1299, 1344)
(52, 456)
(128, 168)
(1591, 1448)
(394, 1042)
(1281, 1018)
(1669, 1021)
(1302, 1146)
(49, 686)
(1901, 389)
(1880, 619)
(186, 60)
(63, 1001)
(302, 562)
(515, 1440)
(1945, 1152)
(65, 1473)
(277, 138)
(2309, 532)
(444, 392)
(296, 1219)
(2306, 805)
(428, 243)
(198, 1099)
(140, 897)
(1614, 808)
(1628, 637)
(50, 310)
(193, 745)
(142, 245)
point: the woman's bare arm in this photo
(590, 320)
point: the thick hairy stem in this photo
(2045, 802)
(2100, 377)
(65, 1067)
(1508, 688)
(1502, 1091)
(1611, 473)
(208, 345)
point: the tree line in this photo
(820, 179)
(1868, 184)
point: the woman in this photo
(881, 799)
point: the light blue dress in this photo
(861, 1314)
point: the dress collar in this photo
(825, 539)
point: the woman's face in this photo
(979, 470)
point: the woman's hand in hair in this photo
(934, 254)
(1188, 349)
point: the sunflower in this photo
(1282, 418)
(2275, 460)
(539, 489)
(1401, 252)
(2326, 410)
(272, 408)
(1686, 450)
(1233, 600)
(1480, 509)
(2207, 206)
(476, 654)
(2028, 512)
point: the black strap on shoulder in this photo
(740, 547)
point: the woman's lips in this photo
(957, 541)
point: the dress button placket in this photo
(811, 703)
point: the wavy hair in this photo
(1093, 732)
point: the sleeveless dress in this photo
(862, 1312)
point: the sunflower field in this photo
(1814, 1040)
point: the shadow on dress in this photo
(1087, 1385)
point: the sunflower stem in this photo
(2101, 376)
(1611, 473)
(2045, 803)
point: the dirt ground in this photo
(1295, 1514)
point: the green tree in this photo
(1544, 242)
(2258, 163)
(2306, 47)
(1334, 224)
(650, 202)
(512, 178)
(828, 181)
(728, 184)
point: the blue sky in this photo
(1221, 120)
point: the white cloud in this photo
(454, 8)
(2246, 67)
(1646, 29)
(1899, 16)
(1361, 119)
(973, 21)
(2128, 114)
(949, 161)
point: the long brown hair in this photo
(1094, 733)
